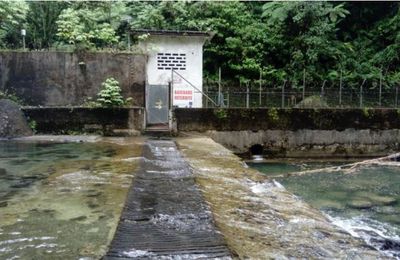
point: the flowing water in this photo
(62, 201)
(365, 203)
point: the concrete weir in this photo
(165, 216)
(258, 217)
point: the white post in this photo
(23, 33)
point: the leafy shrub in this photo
(110, 94)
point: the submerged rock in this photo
(12, 121)
(383, 200)
(360, 204)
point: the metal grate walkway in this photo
(165, 216)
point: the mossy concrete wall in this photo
(298, 132)
(238, 119)
(70, 120)
(65, 78)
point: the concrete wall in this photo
(66, 120)
(298, 132)
(307, 143)
(64, 78)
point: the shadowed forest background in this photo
(280, 40)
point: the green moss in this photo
(273, 114)
(366, 112)
(11, 96)
(220, 113)
(33, 125)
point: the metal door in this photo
(157, 104)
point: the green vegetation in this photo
(110, 94)
(273, 114)
(327, 40)
(220, 113)
(11, 96)
(33, 125)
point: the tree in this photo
(41, 23)
(85, 28)
(12, 17)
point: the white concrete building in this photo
(181, 51)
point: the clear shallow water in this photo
(365, 203)
(61, 201)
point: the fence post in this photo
(340, 87)
(227, 98)
(171, 94)
(361, 93)
(260, 88)
(283, 94)
(207, 94)
(247, 96)
(380, 90)
(322, 89)
(304, 84)
(219, 87)
(396, 97)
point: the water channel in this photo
(365, 202)
(62, 201)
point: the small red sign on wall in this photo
(183, 97)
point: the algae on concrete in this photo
(257, 216)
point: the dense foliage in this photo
(282, 40)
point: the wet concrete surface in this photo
(165, 215)
(258, 217)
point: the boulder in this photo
(12, 121)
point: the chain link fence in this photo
(297, 98)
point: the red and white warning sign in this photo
(183, 97)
